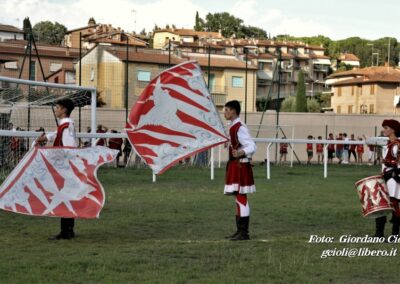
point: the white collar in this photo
(65, 120)
(236, 120)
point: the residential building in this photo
(10, 32)
(57, 62)
(372, 90)
(104, 68)
(163, 36)
(94, 34)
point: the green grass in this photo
(172, 231)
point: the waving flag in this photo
(174, 118)
(57, 182)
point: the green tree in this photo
(91, 21)
(49, 33)
(143, 32)
(301, 100)
(228, 24)
(26, 27)
(199, 23)
(289, 104)
(313, 105)
(254, 32)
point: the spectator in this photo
(352, 149)
(371, 153)
(345, 149)
(310, 151)
(331, 149)
(101, 141)
(320, 151)
(127, 151)
(339, 149)
(283, 151)
(360, 151)
(86, 142)
(116, 144)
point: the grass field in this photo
(173, 231)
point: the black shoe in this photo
(380, 227)
(237, 229)
(61, 236)
(396, 225)
(243, 226)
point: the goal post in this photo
(24, 100)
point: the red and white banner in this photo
(174, 118)
(57, 182)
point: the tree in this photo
(199, 23)
(228, 24)
(289, 104)
(313, 105)
(301, 100)
(167, 27)
(253, 32)
(49, 33)
(143, 32)
(26, 27)
(91, 21)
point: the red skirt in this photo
(239, 178)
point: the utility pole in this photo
(246, 51)
(389, 53)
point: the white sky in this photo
(334, 18)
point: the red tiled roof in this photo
(316, 56)
(9, 28)
(348, 57)
(18, 48)
(190, 32)
(220, 62)
(145, 57)
(82, 28)
(368, 75)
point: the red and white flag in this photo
(57, 182)
(174, 118)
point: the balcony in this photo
(321, 68)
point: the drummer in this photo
(391, 171)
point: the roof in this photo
(145, 57)
(190, 32)
(162, 58)
(82, 28)
(317, 56)
(221, 62)
(348, 57)
(367, 76)
(11, 29)
(17, 48)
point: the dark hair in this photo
(319, 137)
(233, 105)
(68, 104)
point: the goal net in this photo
(28, 106)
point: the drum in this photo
(374, 197)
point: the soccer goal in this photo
(27, 110)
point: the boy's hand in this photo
(238, 153)
(42, 138)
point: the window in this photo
(11, 65)
(339, 91)
(260, 65)
(352, 90)
(237, 82)
(350, 109)
(144, 76)
(339, 109)
(372, 89)
(33, 71)
(56, 80)
(371, 109)
(55, 67)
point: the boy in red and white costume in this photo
(391, 171)
(64, 136)
(239, 174)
